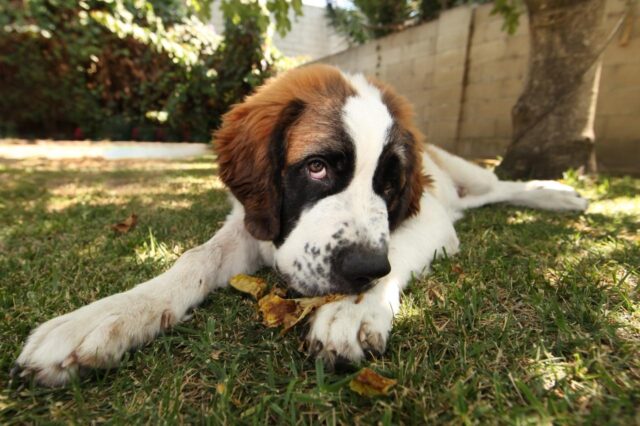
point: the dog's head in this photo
(326, 165)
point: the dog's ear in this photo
(416, 179)
(410, 182)
(251, 145)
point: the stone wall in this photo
(463, 74)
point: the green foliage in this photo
(130, 69)
(364, 20)
(511, 11)
(368, 19)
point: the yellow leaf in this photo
(370, 383)
(247, 284)
(220, 388)
(289, 312)
(275, 309)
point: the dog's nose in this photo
(360, 266)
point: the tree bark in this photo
(553, 120)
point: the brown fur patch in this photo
(115, 330)
(243, 142)
(91, 361)
(71, 359)
(315, 127)
(167, 320)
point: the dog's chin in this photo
(297, 290)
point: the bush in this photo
(125, 69)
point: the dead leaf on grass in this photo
(370, 383)
(276, 310)
(289, 312)
(126, 225)
(247, 284)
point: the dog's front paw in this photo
(347, 330)
(94, 336)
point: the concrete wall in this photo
(463, 74)
(311, 35)
(618, 109)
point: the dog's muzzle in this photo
(356, 267)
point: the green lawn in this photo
(536, 320)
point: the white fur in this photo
(97, 335)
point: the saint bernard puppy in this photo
(333, 186)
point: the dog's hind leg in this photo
(98, 334)
(476, 187)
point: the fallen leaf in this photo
(220, 388)
(247, 284)
(215, 355)
(278, 311)
(370, 383)
(126, 225)
(275, 309)
(457, 269)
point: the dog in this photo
(334, 187)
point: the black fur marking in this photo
(300, 191)
(392, 177)
(278, 148)
(339, 233)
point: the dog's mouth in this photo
(336, 287)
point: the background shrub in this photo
(128, 69)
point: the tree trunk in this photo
(553, 118)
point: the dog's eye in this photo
(388, 190)
(317, 169)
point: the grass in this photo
(537, 320)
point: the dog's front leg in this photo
(346, 330)
(98, 334)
